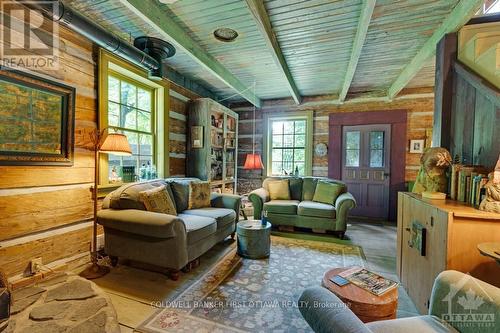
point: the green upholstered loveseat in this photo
(300, 210)
(168, 241)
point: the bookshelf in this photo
(213, 144)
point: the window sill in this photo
(105, 189)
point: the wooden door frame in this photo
(398, 121)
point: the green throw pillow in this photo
(279, 189)
(327, 192)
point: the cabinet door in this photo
(419, 271)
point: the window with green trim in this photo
(288, 140)
(131, 111)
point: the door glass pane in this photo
(352, 158)
(376, 158)
(352, 140)
(377, 140)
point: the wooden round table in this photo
(367, 306)
(491, 250)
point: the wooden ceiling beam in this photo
(152, 13)
(462, 12)
(260, 16)
(359, 41)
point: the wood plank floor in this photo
(133, 289)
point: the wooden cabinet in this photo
(213, 144)
(452, 232)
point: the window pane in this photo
(352, 158)
(113, 89)
(130, 161)
(288, 140)
(133, 140)
(277, 127)
(146, 144)
(143, 160)
(352, 140)
(277, 155)
(114, 162)
(113, 114)
(301, 167)
(277, 141)
(288, 127)
(129, 94)
(143, 121)
(299, 155)
(128, 117)
(300, 127)
(300, 141)
(144, 99)
(376, 158)
(276, 170)
(287, 155)
(377, 140)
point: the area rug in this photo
(244, 295)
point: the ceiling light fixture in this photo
(225, 34)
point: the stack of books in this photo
(467, 183)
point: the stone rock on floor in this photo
(76, 289)
(53, 310)
(88, 308)
(95, 324)
(66, 303)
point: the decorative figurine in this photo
(492, 201)
(432, 174)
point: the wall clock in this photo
(320, 149)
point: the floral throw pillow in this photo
(158, 200)
(199, 195)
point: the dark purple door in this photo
(365, 168)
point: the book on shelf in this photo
(467, 183)
(369, 281)
(455, 169)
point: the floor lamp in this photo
(116, 144)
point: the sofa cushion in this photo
(296, 188)
(199, 195)
(308, 188)
(327, 192)
(158, 200)
(198, 227)
(127, 196)
(279, 189)
(180, 190)
(420, 324)
(288, 207)
(316, 209)
(223, 216)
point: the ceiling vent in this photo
(157, 49)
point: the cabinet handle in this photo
(432, 221)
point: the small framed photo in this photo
(197, 136)
(417, 146)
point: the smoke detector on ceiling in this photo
(225, 34)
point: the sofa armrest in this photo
(139, 222)
(224, 200)
(326, 313)
(344, 203)
(258, 197)
(450, 286)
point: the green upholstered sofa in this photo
(459, 303)
(301, 211)
(168, 241)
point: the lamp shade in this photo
(252, 162)
(116, 144)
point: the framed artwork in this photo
(197, 136)
(417, 146)
(37, 119)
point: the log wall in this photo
(419, 126)
(46, 211)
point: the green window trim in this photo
(111, 65)
(270, 118)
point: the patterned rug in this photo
(243, 295)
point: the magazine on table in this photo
(372, 282)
